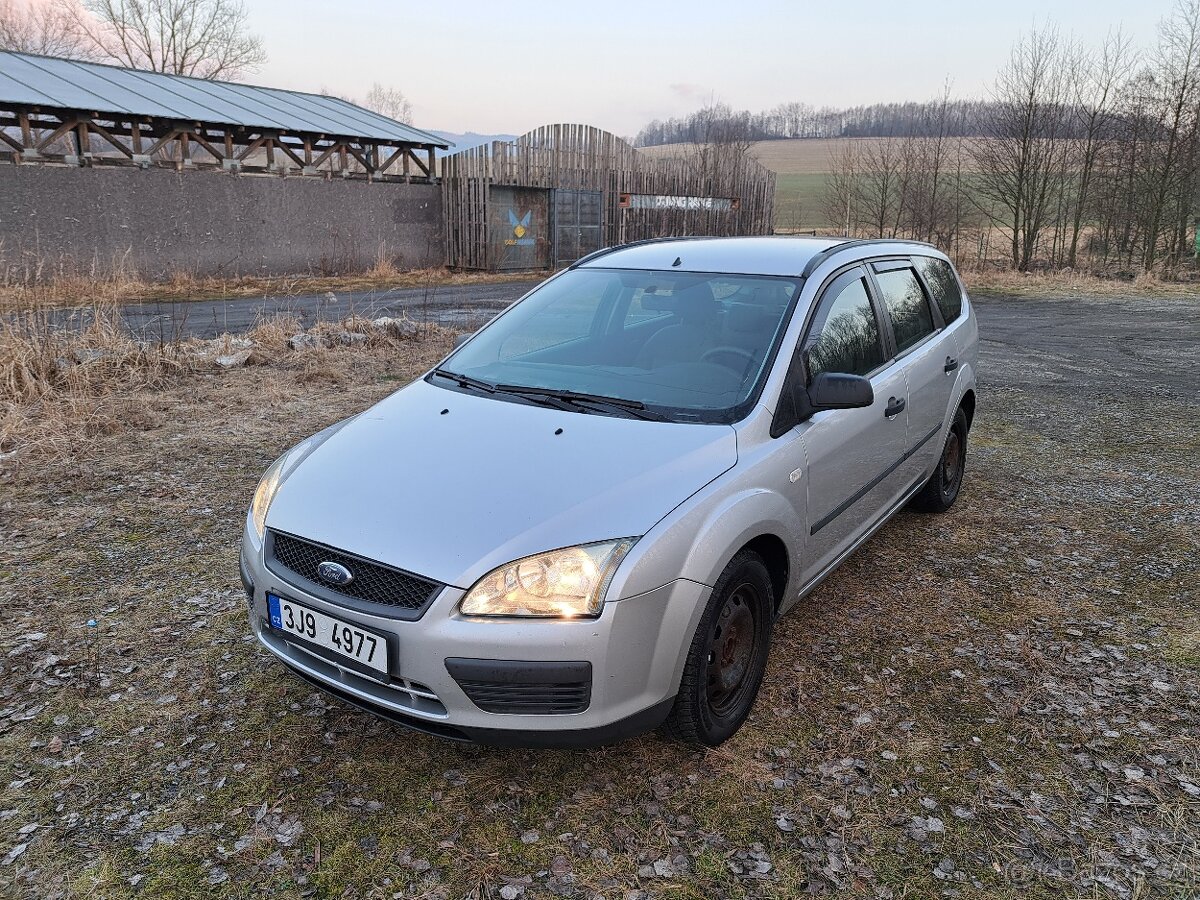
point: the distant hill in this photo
(468, 139)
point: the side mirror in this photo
(834, 390)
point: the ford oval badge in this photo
(334, 573)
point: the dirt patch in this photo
(1003, 701)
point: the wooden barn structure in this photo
(559, 192)
(89, 114)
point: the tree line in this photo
(1078, 156)
(802, 120)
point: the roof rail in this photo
(604, 251)
(820, 257)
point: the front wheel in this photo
(942, 489)
(727, 657)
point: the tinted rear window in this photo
(942, 285)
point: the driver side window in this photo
(844, 336)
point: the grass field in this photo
(1000, 703)
(802, 168)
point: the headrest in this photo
(743, 318)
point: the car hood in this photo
(449, 485)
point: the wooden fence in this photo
(714, 191)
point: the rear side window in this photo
(942, 285)
(905, 300)
(845, 335)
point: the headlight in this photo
(267, 488)
(563, 583)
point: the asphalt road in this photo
(1106, 342)
(1092, 346)
(446, 304)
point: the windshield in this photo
(686, 346)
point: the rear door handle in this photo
(895, 407)
(951, 364)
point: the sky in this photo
(498, 66)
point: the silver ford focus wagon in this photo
(584, 522)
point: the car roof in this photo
(777, 255)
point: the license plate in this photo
(341, 638)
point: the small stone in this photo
(14, 853)
(663, 868)
(530, 837)
(232, 360)
(303, 341)
(511, 891)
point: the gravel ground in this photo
(1012, 712)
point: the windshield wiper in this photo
(635, 408)
(465, 380)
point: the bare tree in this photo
(30, 27)
(1172, 91)
(1096, 90)
(1018, 156)
(721, 143)
(842, 196)
(390, 102)
(203, 38)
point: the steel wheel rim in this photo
(952, 459)
(731, 652)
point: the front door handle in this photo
(895, 407)
(951, 364)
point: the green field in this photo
(802, 170)
(800, 202)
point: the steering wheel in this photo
(729, 351)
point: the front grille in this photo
(530, 699)
(373, 582)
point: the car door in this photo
(928, 357)
(850, 453)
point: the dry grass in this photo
(38, 359)
(1069, 283)
(36, 287)
(59, 382)
(1024, 675)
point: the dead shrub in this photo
(40, 357)
(322, 366)
(272, 332)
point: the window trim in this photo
(885, 348)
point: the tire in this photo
(727, 657)
(943, 487)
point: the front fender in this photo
(697, 540)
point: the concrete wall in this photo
(157, 222)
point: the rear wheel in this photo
(942, 489)
(727, 657)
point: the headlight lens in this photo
(567, 583)
(267, 488)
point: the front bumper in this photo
(634, 651)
